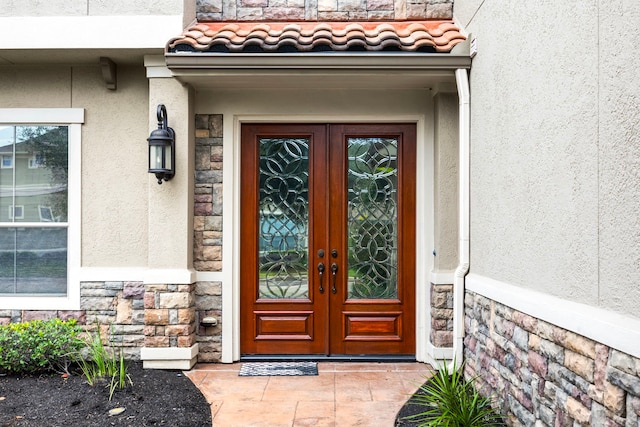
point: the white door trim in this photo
(231, 218)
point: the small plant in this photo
(119, 378)
(452, 401)
(102, 363)
(38, 345)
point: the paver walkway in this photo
(341, 395)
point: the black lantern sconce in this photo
(162, 148)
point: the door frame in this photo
(230, 276)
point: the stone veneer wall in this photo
(130, 315)
(207, 219)
(169, 315)
(208, 231)
(116, 307)
(322, 10)
(544, 375)
(442, 315)
(209, 303)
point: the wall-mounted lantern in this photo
(162, 147)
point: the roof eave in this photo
(182, 62)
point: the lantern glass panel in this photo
(167, 157)
(156, 153)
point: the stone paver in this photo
(342, 394)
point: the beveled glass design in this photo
(372, 220)
(283, 218)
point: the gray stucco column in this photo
(169, 300)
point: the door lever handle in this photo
(334, 271)
(321, 273)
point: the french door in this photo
(327, 239)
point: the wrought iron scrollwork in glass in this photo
(284, 218)
(372, 220)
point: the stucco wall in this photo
(114, 152)
(619, 156)
(446, 182)
(90, 7)
(171, 205)
(114, 166)
(555, 148)
(311, 103)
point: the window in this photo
(16, 212)
(46, 214)
(36, 161)
(39, 236)
(7, 162)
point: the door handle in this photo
(321, 273)
(334, 271)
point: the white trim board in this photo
(138, 274)
(437, 355)
(16, 116)
(90, 32)
(112, 274)
(442, 277)
(604, 326)
(73, 118)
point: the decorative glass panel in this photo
(372, 220)
(284, 218)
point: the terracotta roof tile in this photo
(413, 36)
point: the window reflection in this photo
(33, 190)
(36, 182)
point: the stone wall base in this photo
(182, 358)
(544, 375)
(441, 315)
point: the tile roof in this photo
(408, 36)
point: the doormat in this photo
(255, 369)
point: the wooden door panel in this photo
(372, 326)
(284, 325)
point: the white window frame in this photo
(12, 211)
(45, 218)
(33, 161)
(6, 156)
(73, 118)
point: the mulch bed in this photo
(156, 398)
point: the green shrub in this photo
(452, 401)
(38, 345)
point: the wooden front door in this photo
(327, 239)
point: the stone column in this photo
(169, 299)
(208, 232)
